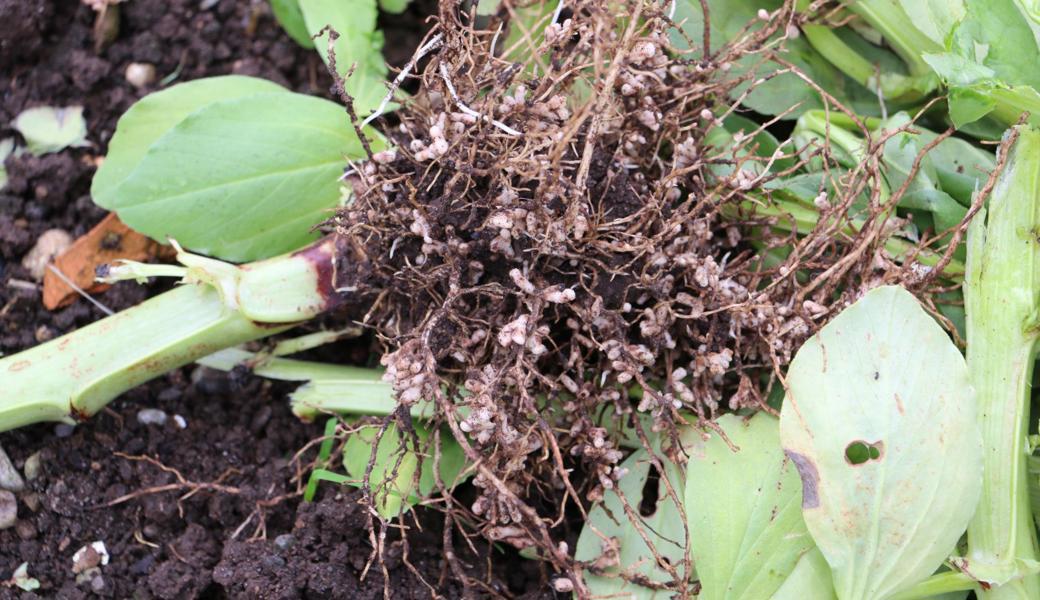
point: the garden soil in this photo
(244, 532)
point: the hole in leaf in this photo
(651, 491)
(860, 452)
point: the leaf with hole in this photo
(154, 115)
(612, 542)
(879, 418)
(49, 129)
(743, 509)
(242, 179)
(392, 479)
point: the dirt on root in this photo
(249, 535)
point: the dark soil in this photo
(215, 543)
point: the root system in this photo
(554, 243)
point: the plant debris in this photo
(109, 241)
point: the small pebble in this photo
(89, 557)
(143, 566)
(180, 421)
(43, 334)
(284, 541)
(151, 416)
(140, 75)
(25, 530)
(8, 509)
(273, 561)
(50, 244)
(10, 479)
(64, 430)
(32, 501)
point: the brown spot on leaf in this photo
(810, 478)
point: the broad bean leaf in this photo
(961, 167)
(241, 179)
(990, 62)
(392, 479)
(359, 44)
(395, 7)
(811, 578)
(729, 17)
(157, 113)
(49, 129)
(765, 142)
(289, 16)
(879, 418)
(662, 525)
(526, 33)
(934, 18)
(924, 193)
(744, 512)
(6, 149)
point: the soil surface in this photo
(251, 537)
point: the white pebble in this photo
(50, 244)
(140, 74)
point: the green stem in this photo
(940, 583)
(805, 220)
(220, 305)
(889, 18)
(1001, 294)
(893, 86)
(73, 377)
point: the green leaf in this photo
(811, 578)
(487, 7)
(527, 24)
(662, 525)
(934, 18)
(291, 19)
(960, 166)
(880, 421)
(968, 105)
(395, 7)
(766, 142)
(782, 92)
(743, 509)
(49, 129)
(242, 179)
(6, 149)
(155, 114)
(392, 479)
(358, 44)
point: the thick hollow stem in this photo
(1001, 294)
(221, 305)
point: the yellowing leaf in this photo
(880, 421)
(743, 508)
(811, 578)
(49, 129)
